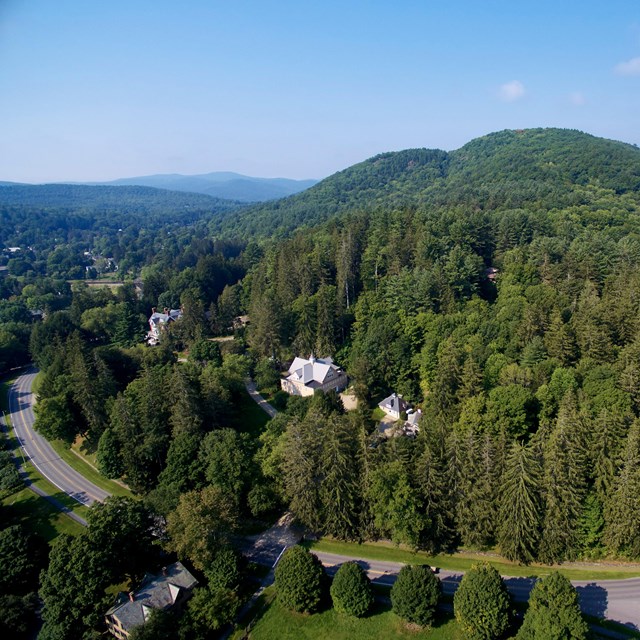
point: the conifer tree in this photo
(520, 506)
(437, 497)
(564, 485)
(475, 504)
(622, 512)
(481, 603)
(302, 460)
(341, 483)
(553, 612)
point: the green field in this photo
(38, 515)
(463, 561)
(276, 622)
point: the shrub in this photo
(553, 611)
(414, 595)
(300, 580)
(351, 590)
(481, 604)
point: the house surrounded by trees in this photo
(169, 589)
(307, 376)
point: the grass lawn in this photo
(38, 515)
(276, 622)
(252, 418)
(85, 468)
(463, 561)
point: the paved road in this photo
(36, 449)
(617, 600)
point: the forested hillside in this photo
(527, 379)
(496, 287)
(539, 167)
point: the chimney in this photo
(164, 571)
(166, 311)
(153, 310)
(132, 597)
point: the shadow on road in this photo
(593, 600)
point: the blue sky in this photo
(97, 89)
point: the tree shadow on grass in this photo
(35, 514)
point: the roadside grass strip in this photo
(86, 469)
(463, 561)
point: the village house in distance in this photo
(158, 321)
(307, 376)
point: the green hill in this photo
(541, 167)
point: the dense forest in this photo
(495, 287)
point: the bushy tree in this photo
(553, 613)
(300, 580)
(210, 609)
(414, 595)
(351, 590)
(201, 521)
(481, 604)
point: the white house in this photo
(158, 321)
(305, 376)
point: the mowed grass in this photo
(252, 419)
(38, 515)
(380, 624)
(463, 561)
(84, 468)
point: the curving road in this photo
(36, 449)
(617, 600)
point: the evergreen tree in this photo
(564, 483)
(553, 612)
(108, 455)
(475, 504)
(340, 490)
(437, 498)
(301, 467)
(300, 580)
(351, 590)
(415, 594)
(481, 604)
(520, 506)
(622, 511)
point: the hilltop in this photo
(537, 167)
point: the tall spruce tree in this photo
(622, 511)
(520, 506)
(340, 490)
(475, 504)
(437, 497)
(564, 485)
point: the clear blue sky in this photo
(101, 89)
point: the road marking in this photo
(70, 479)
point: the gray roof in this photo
(156, 592)
(394, 402)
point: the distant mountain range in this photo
(219, 184)
(224, 185)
